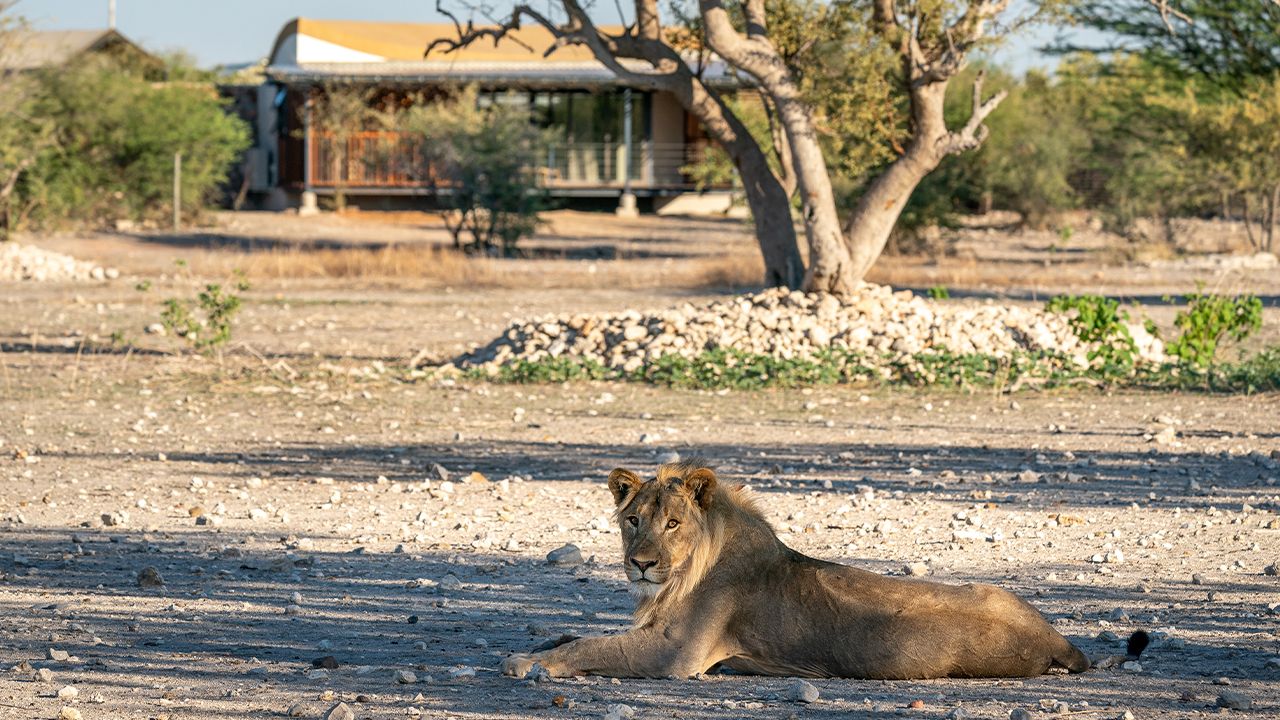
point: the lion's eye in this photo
(635, 521)
(673, 524)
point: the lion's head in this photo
(668, 538)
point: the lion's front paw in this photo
(518, 665)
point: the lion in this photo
(717, 588)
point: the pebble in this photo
(1273, 569)
(149, 577)
(918, 569)
(785, 324)
(405, 677)
(19, 261)
(69, 713)
(802, 691)
(58, 655)
(1234, 700)
(619, 712)
(1273, 663)
(1019, 714)
(340, 712)
(328, 662)
(114, 519)
(68, 693)
(958, 714)
(297, 709)
(317, 674)
(565, 556)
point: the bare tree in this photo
(932, 48)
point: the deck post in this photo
(627, 202)
(309, 205)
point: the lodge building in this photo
(609, 142)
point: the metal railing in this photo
(396, 160)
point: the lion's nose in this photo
(643, 564)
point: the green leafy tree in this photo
(483, 164)
(113, 138)
(927, 43)
(1229, 42)
(24, 134)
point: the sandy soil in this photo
(314, 473)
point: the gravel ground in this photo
(195, 534)
(289, 522)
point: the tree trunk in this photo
(769, 202)
(771, 212)
(1248, 228)
(830, 268)
(1271, 222)
(877, 211)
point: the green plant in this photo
(206, 322)
(485, 160)
(939, 292)
(113, 139)
(1209, 319)
(1099, 321)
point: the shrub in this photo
(204, 323)
(1099, 320)
(1209, 319)
(486, 161)
(114, 138)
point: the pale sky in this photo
(229, 32)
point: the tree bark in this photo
(829, 266)
(1271, 223)
(1248, 227)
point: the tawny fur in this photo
(716, 587)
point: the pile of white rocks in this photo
(28, 262)
(877, 323)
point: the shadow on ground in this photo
(222, 614)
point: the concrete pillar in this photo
(309, 205)
(627, 202)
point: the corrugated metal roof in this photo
(523, 74)
(36, 49)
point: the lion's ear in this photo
(701, 485)
(622, 483)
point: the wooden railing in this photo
(396, 160)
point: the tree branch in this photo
(974, 133)
(1166, 11)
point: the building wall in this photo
(667, 127)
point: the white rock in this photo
(619, 712)
(802, 691)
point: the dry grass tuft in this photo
(389, 262)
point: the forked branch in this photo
(974, 132)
